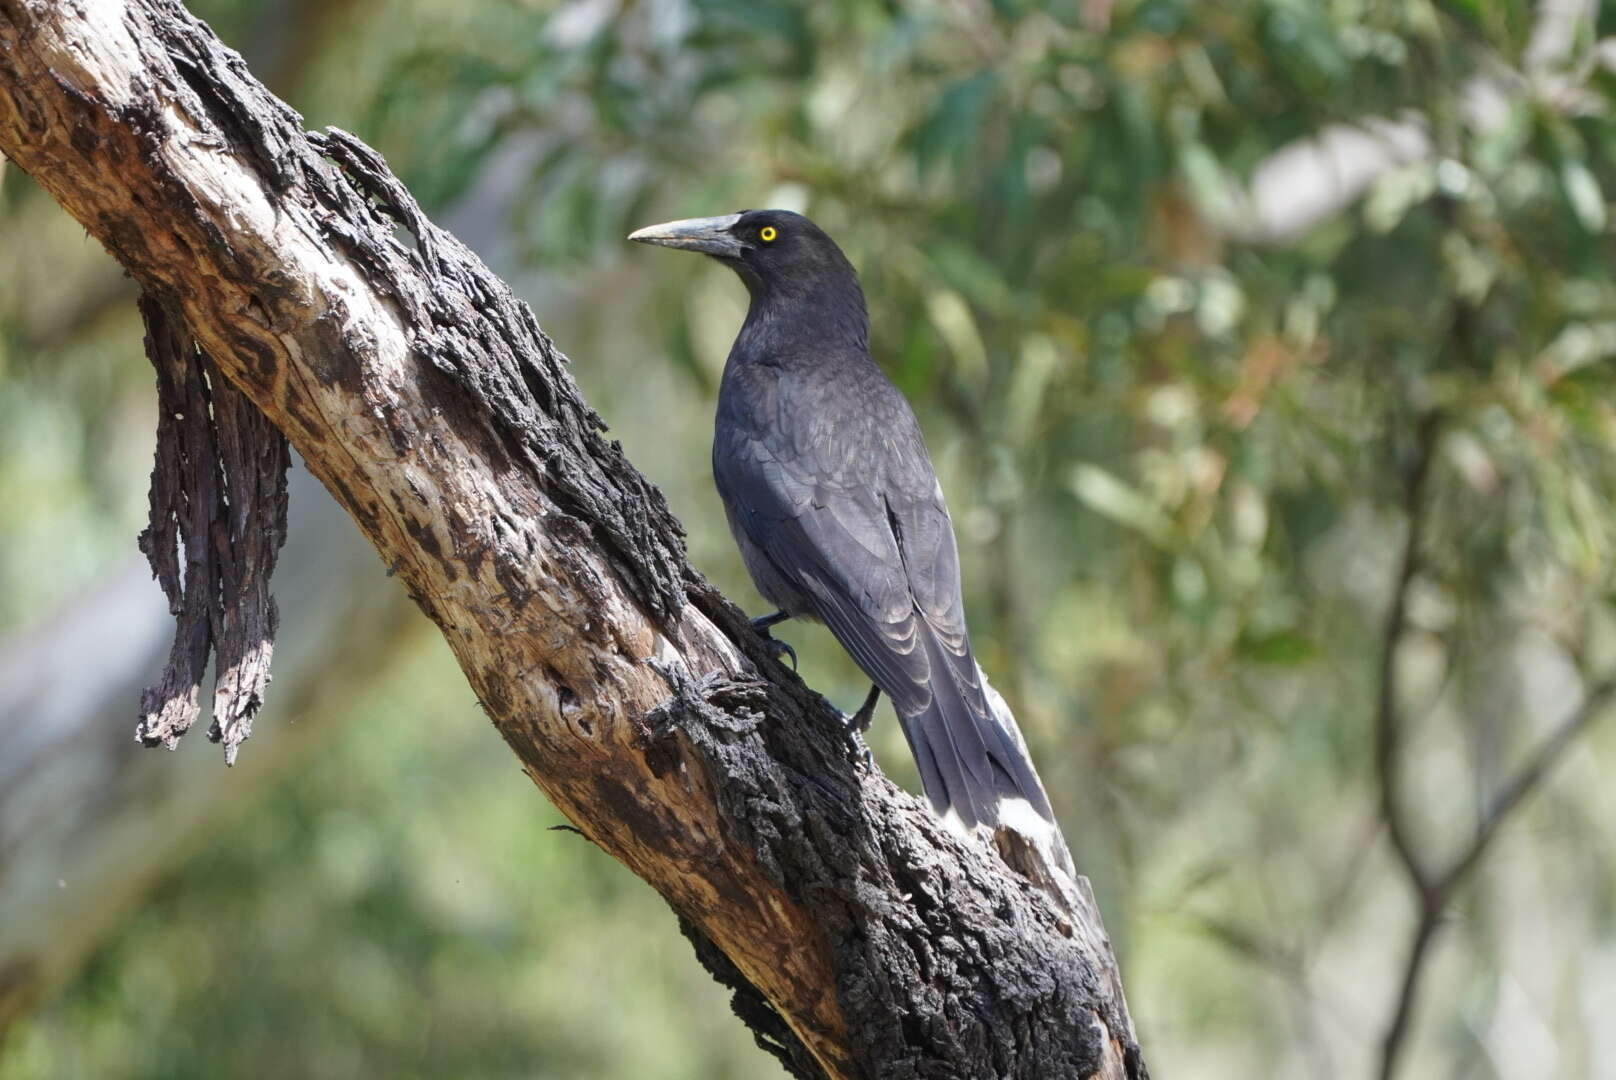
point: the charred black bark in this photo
(504, 367)
(942, 970)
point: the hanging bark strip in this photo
(218, 494)
(862, 940)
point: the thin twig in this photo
(1388, 735)
(1388, 729)
(1435, 890)
(1526, 780)
(1413, 968)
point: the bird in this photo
(831, 496)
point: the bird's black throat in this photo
(816, 316)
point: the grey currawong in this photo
(832, 498)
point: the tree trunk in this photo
(861, 939)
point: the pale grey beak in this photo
(710, 235)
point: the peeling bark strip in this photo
(861, 939)
(218, 493)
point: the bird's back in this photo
(796, 434)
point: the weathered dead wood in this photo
(218, 493)
(862, 940)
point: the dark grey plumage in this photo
(832, 498)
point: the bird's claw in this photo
(859, 723)
(777, 648)
(856, 743)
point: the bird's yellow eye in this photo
(768, 233)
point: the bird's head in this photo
(776, 252)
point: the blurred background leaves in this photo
(1171, 286)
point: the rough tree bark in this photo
(861, 939)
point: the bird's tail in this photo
(973, 761)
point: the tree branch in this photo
(1434, 888)
(428, 401)
(1388, 728)
(1525, 781)
(1438, 888)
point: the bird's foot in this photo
(777, 648)
(860, 748)
(859, 723)
(774, 645)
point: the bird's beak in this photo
(710, 235)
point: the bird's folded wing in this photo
(880, 563)
(836, 542)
